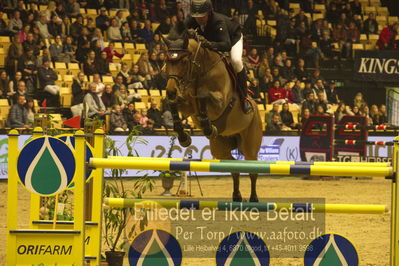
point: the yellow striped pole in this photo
(360, 164)
(395, 205)
(245, 206)
(273, 169)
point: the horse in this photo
(199, 86)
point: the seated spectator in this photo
(3, 25)
(30, 107)
(304, 116)
(167, 118)
(309, 103)
(375, 114)
(275, 124)
(326, 46)
(159, 77)
(118, 83)
(300, 71)
(114, 32)
(76, 27)
(144, 118)
(353, 33)
(18, 115)
(82, 52)
(23, 34)
(288, 97)
(146, 70)
(108, 97)
(149, 129)
(72, 8)
(102, 64)
(287, 71)
(66, 26)
(164, 27)
(89, 66)
(138, 81)
(125, 32)
(387, 38)
(90, 27)
(15, 52)
(356, 7)
(276, 94)
(15, 24)
(370, 25)
(263, 66)
(42, 26)
(118, 123)
(103, 21)
(332, 95)
(383, 114)
(79, 90)
(119, 18)
(111, 52)
(21, 90)
(340, 35)
(253, 59)
(57, 50)
(359, 100)
(122, 96)
(276, 75)
(4, 81)
(69, 50)
(47, 78)
(254, 87)
(128, 114)
(54, 26)
(356, 110)
(124, 73)
(320, 109)
(99, 85)
(366, 112)
(341, 112)
(27, 65)
(269, 115)
(298, 96)
(286, 117)
(98, 37)
(93, 103)
(322, 100)
(155, 114)
(319, 87)
(146, 33)
(135, 31)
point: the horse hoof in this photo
(253, 199)
(237, 197)
(185, 140)
(211, 133)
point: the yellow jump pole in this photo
(359, 164)
(394, 206)
(273, 169)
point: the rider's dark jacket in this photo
(223, 32)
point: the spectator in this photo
(111, 52)
(76, 27)
(18, 115)
(383, 114)
(125, 32)
(135, 30)
(375, 115)
(356, 7)
(288, 97)
(56, 50)
(359, 100)
(128, 114)
(118, 123)
(4, 80)
(90, 27)
(341, 112)
(297, 92)
(300, 71)
(103, 21)
(54, 26)
(47, 78)
(146, 33)
(118, 83)
(15, 52)
(27, 65)
(288, 72)
(326, 45)
(138, 81)
(3, 25)
(15, 23)
(301, 18)
(24, 33)
(332, 95)
(66, 26)
(94, 104)
(155, 114)
(269, 115)
(124, 73)
(253, 59)
(59, 10)
(164, 27)
(167, 118)
(305, 116)
(387, 37)
(286, 117)
(353, 33)
(102, 64)
(144, 118)
(114, 32)
(366, 112)
(99, 85)
(309, 103)
(42, 26)
(89, 66)
(356, 110)
(320, 110)
(98, 36)
(21, 90)
(370, 25)
(108, 97)
(82, 52)
(275, 125)
(276, 94)
(122, 96)
(276, 75)
(69, 50)
(146, 70)
(30, 114)
(119, 18)
(79, 90)
(72, 8)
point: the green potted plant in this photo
(116, 229)
(168, 177)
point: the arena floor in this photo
(369, 233)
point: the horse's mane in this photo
(178, 31)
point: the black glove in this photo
(204, 42)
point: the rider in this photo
(222, 34)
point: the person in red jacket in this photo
(387, 37)
(111, 52)
(288, 93)
(276, 94)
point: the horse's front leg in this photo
(183, 137)
(210, 131)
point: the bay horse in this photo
(199, 85)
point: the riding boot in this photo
(243, 91)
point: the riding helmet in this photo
(200, 8)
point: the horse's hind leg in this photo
(221, 148)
